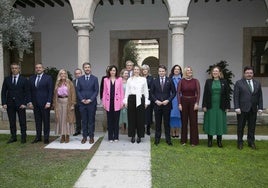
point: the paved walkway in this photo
(119, 164)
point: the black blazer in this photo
(149, 83)
(19, 93)
(224, 99)
(168, 93)
(244, 99)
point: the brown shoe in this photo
(62, 140)
(91, 140)
(67, 140)
(83, 140)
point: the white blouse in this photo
(137, 85)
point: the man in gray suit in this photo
(247, 102)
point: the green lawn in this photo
(31, 166)
(200, 166)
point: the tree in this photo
(130, 53)
(15, 28)
(227, 74)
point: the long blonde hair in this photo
(59, 81)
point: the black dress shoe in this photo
(133, 140)
(36, 140)
(23, 140)
(156, 142)
(46, 141)
(76, 133)
(11, 140)
(253, 146)
(138, 140)
(148, 131)
(240, 146)
(169, 143)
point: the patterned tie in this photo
(250, 86)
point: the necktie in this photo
(250, 86)
(38, 80)
(14, 80)
(162, 83)
(87, 77)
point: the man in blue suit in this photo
(41, 89)
(162, 92)
(15, 96)
(87, 92)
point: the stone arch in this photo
(153, 63)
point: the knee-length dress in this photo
(215, 117)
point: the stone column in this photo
(1, 62)
(177, 26)
(83, 28)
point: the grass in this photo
(30, 165)
(200, 166)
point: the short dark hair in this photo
(162, 67)
(248, 68)
(86, 63)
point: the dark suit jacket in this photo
(149, 83)
(19, 93)
(244, 99)
(88, 89)
(168, 93)
(225, 91)
(44, 93)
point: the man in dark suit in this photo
(77, 74)
(41, 88)
(87, 92)
(162, 92)
(15, 96)
(247, 102)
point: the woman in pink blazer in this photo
(112, 101)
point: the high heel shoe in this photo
(133, 140)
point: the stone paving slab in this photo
(118, 164)
(75, 143)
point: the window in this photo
(259, 56)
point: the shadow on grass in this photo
(200, 166)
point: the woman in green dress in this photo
(215, 105)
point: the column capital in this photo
(83, 24)
(178, 21)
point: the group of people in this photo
(129, 99)
(73, 102)
(175, 100)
